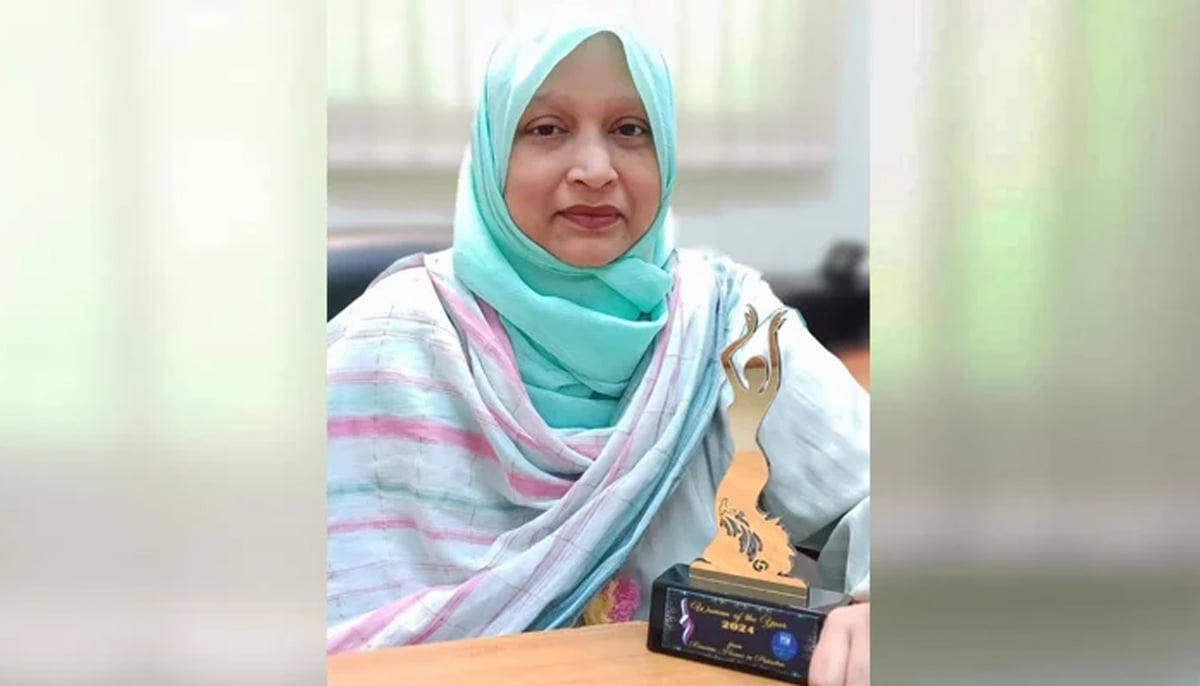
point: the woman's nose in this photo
(593, 164)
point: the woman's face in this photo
(583, 179)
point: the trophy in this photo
(738, 605)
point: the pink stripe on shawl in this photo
(380, 376)
(424, 430)
(451, 605)
(431, 384)
(405, 523)
(651, 376)
(590, 447)
(411, 429)
(494, 343)
(358, 635)
(481, 335)
(564, 540)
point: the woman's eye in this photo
(632, 129)
(544, 130)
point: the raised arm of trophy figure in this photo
(752, 397)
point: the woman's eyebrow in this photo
(560, 99)
(629, 101)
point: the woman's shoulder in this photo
(723, 269)
(739, 287)
(410, 270)
(736, 284)
(403, 291)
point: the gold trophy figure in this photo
(738, 605)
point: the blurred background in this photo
(773, 125)
(1034, 169)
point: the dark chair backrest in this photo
(838, 316)
(356, 257)
(835, 300)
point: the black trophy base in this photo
(697, 620)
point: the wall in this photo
(789, 225)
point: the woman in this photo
(525, 430)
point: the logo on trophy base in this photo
(738, 605)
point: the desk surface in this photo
(610, 654)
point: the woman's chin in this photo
(591, 259)
(589, 256)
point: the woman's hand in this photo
(843, 653)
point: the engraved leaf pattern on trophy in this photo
(735, 525)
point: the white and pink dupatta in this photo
(453, 510)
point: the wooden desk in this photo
(610, 654)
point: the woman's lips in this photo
(592, 218)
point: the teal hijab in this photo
(579, 334)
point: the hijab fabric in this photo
(578, 334)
